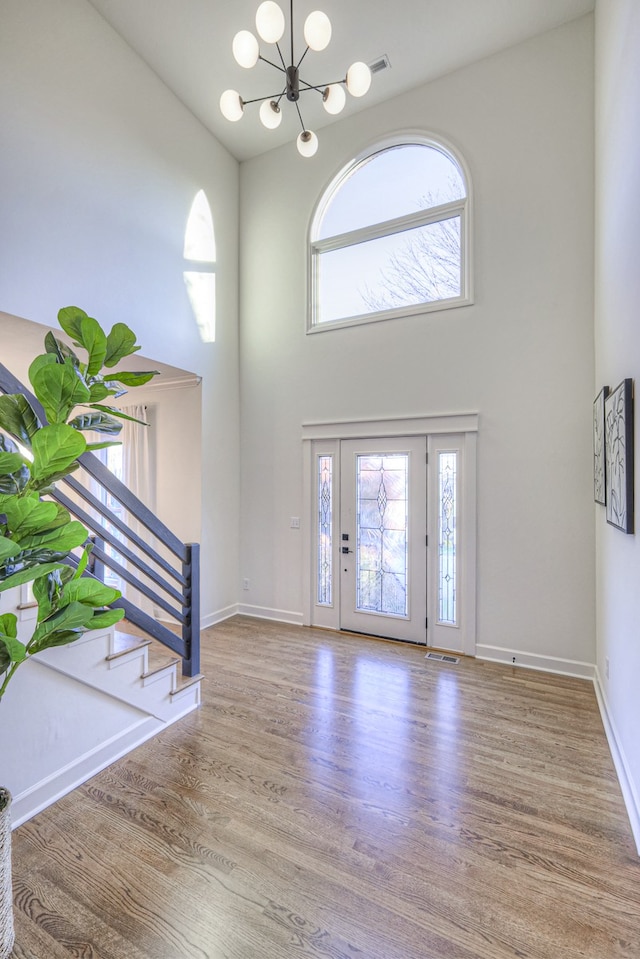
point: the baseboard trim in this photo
(42, 794)
(245, 609)
(547, 664)
(219, 616)
(629, 794)
(277, 615)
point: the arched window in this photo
(200, 274)
(390, 236)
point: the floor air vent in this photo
(442, 658)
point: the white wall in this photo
(617, 338)
(59, 725)
(522, 356)
(98, 168)
(175, 427)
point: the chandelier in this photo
(270, 25)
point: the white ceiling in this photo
(188, 45)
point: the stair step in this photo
(126, 641)
(186, 683)
(161, 666)
(124, 644)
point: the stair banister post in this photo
(191, 628)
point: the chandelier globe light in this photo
(271, 26)
(317, 31)
(307, 143)
(246, 49)
(270, 114)
(270, 22)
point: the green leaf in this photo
(60, 638)
(59, 389)
(128, 378)
(8, 549)
(14, 473)
(5, 658)
(52, 345)
(18, 418)
(106, 619)
(91, 592)
(99, 391)
(114, 411)
(70, 617)
(61, 540)
(55, 449)
(61, 349)
(121, 342)
(63, 516)
(82, 564)
(94, 340)
(40, 362)
(47, 484)
(70, 319)
(16, 651)
(10, 462)
(98, 422)
(46, 590)
(114, 389)
(102, 446)
(11, 649)
(27, 514)
(28, 575)
(9, 625)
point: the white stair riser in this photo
(123, 676)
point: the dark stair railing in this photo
(171, 569)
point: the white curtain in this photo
(138, 473)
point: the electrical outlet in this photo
(245, 584)
(295, 522)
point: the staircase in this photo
(118, 689)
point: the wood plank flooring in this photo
(343, 797)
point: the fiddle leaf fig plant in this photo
(37, 534)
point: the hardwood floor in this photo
(342, 797)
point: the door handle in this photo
(345, 549)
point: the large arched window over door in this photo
(200, 266)
(390, 236)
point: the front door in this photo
(382, 544)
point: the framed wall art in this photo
(618, 439)
(599, 487)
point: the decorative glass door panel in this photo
(383, 529)
(446, 538)
(324, 581)
(381, 533)
(447, 556)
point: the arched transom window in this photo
(390, 237)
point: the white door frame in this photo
(326, 436)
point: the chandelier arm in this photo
(271, 96)
(284, 65)
(302, 57)
(321, 87)
(300, 115)
(272, 64)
